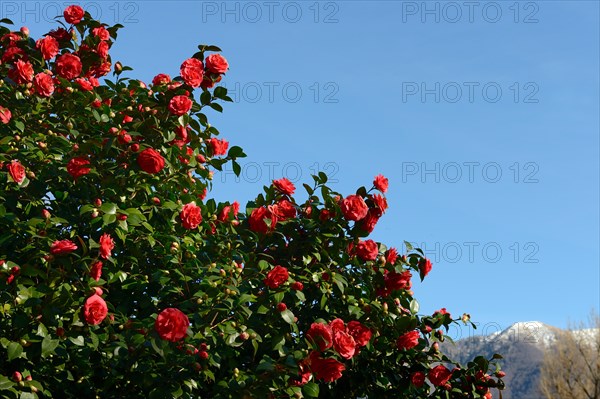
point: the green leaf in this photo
(236, 152)
(288, 316)
(20, 125)
(15, 350)
(5, 383)
(48, 345)
(79, 341)
(310, 389)
(109, 209)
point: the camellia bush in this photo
(120, 278)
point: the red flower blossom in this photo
(180, 105)
(16, 171)
(408, 340)
(48, 46)
(327, 370)
(192, 72)
(96, 270)
(191, 216)
(367, 250)
(424, 267)
(171, 324)
(73, 14)
(354, 207)
(68, 66)
(257, 220)
(284, 185)
(417, 379)
(219, 147)
(107, 244)
(360, 333)
(381, 183)
(216, 63)
(22, 72)
(439, 375)
(276, 277)
(95, 310)
(78, 167)
(150, 161)
(62, 247)
(321, 335)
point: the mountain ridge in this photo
(522, 346)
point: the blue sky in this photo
(484, 117)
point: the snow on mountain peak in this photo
(533, 332)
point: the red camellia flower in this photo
(219, 147)
(380, 202)
(417, 379)
(368, 222)
(16, 171)
(22, 72)
(391, 255)
(73, 14)
(257, 220)
(344, 344)
(360, 333)
(284, 210)
(285, 186)
(191, 216)
(84, 84)
(337, 325)
(180, 105)
(327, 370)
(101, 32)
(102, 49)
(424, 267)
(439, 375)
(44, 85)
(171, 324)
(5, 115)
(68, 66)
(13, 53)
(397, 281)
(276, 277)
(381, 183)
(216, 63)
(192, 72)
(62, 247)
(95, 310)
(48, 46)
(106, 245)
(354, 207)
(408, 340)
(78, 167)
(297, 286)
(161, 79)
(150, 161)
(96, 270)
(367, 250)
(60, 34)
(321, 335)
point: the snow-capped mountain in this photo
(522, 346)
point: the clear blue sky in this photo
(484, 117)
